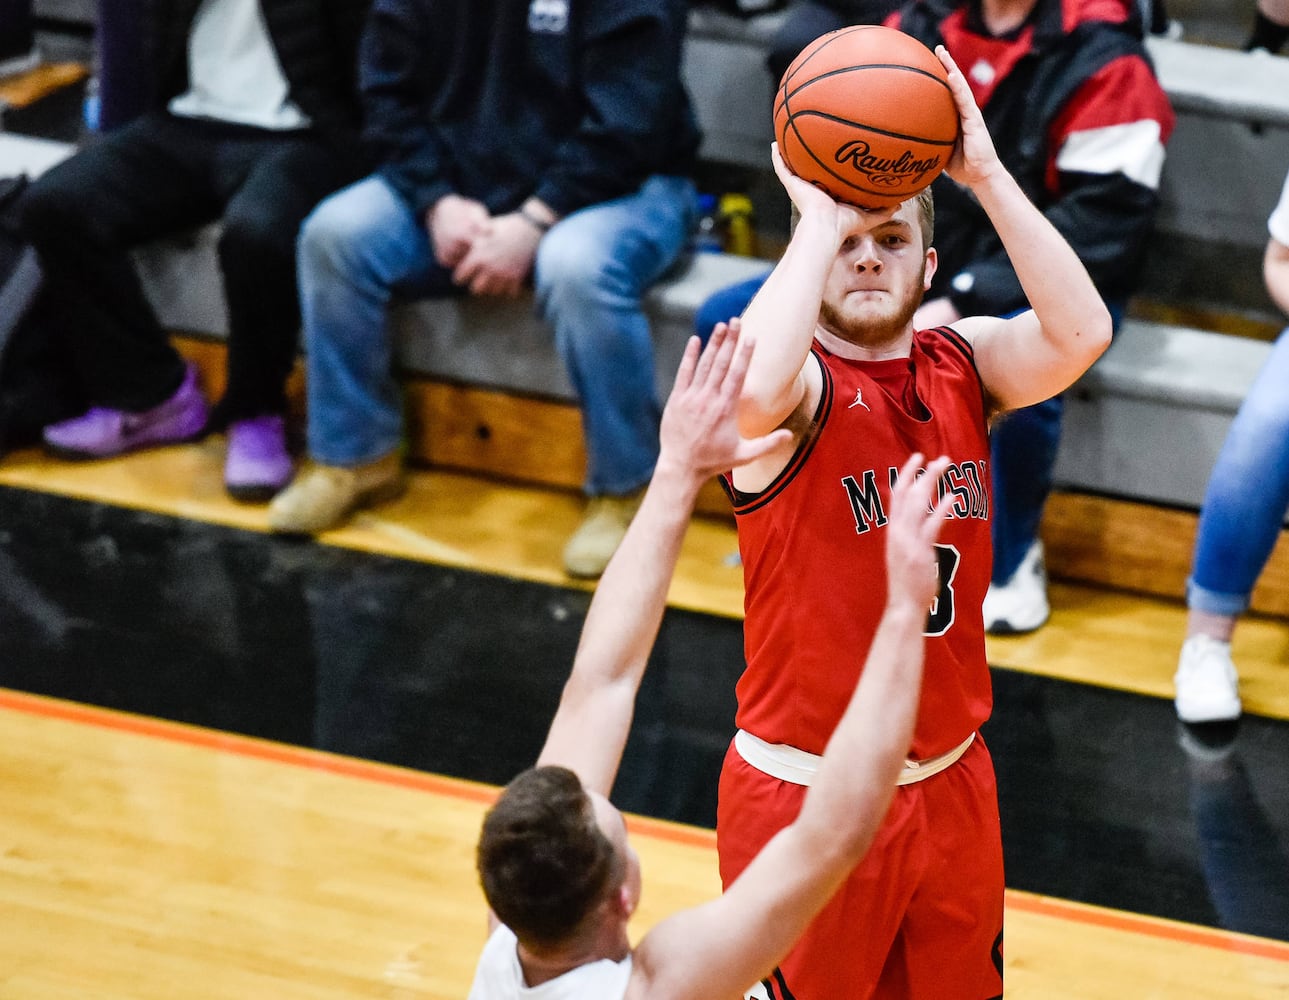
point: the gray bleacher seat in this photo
(74, 11)
(1147, 421)
(1229, 154)
(495, 343)
(20, 154)
(1222, 83)
(725, 74)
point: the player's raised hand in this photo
(699, 425)
(974, 158)
(806, 196)
(810, 199)
(915, 519)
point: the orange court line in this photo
(319, 760)
(1171, 930)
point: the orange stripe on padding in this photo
(243, 746)
(314, 760)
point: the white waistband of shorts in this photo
(787, 763)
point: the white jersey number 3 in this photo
(940, 618)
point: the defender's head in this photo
(554, 860)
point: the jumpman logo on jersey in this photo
(859, 401)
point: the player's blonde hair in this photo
(926, 217)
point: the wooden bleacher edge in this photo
(1101, 541)
(501, 435)
(26, 88)
(1210, 319)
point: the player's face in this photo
(614, 827)
(879, 277)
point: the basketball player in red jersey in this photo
(557, 868)
(839, 362)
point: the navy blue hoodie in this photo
(573, 101)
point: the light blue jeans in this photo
(1247, 495)
(363, 245)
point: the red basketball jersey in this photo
(813, 549)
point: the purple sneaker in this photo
(103, 432)
(258, 464)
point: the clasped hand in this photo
(488, 255)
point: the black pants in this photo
(162, 175)
(17, 32)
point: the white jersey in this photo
(498, 976)
(233, 70)
(1278, 224)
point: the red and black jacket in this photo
(1077, 117)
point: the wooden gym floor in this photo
(232, 765)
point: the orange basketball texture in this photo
(866, 113)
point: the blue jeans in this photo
(724, 304)
(1023, 445)
(363, 246)
(1247, 495)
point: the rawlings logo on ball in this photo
(884, 171)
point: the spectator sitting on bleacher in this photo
(1243, 512)
(1270, 27)
(1080, 120)
(253, 120)
(551, 139)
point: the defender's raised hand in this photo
(916, 517)
(699, 426)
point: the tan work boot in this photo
(324, 496)
(597, 538)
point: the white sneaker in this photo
(1020, 604)
(1206, 681)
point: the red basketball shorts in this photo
(920, 918)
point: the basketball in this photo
(866, 113)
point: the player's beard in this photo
(874, 330)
